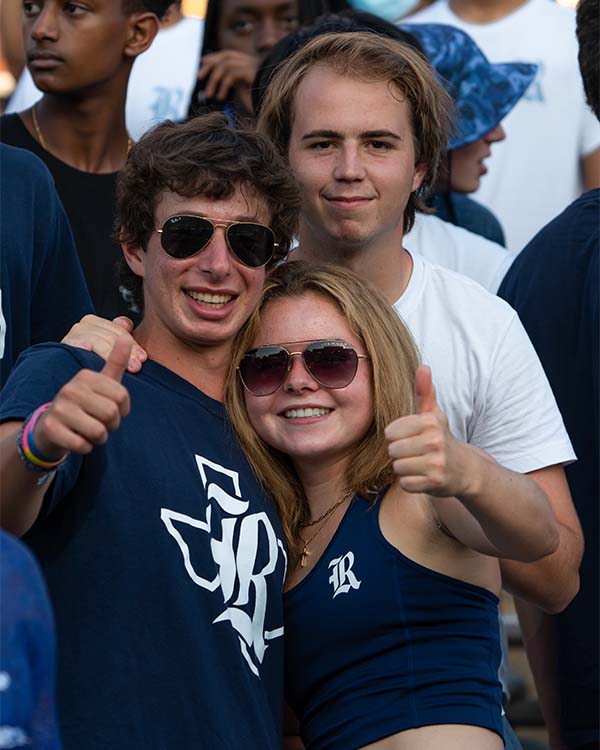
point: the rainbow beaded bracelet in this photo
(28, 452)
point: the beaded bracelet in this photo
(28, 451)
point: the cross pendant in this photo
(304, 555)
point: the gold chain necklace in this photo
(325, 517)
(40, 137)
(327, 513)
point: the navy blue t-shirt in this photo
(27, 652)
(554, 285)
(165, 565)
(42, 289)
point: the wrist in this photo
(40, 445)
(29, 452)
(474, 470)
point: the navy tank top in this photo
(376, 643)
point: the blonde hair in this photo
(393, 357)
(368, 57)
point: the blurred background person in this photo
(27, 652)
(484, 93)
(81, 58)
(42, 289)
(553, 285)
(162, 78)
(552, 149)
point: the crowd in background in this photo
(508, 196)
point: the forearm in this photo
(21, 497)
(512, 510)
(537, 629)
(552, 582)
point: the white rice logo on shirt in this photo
(342, 577)
(235, 561)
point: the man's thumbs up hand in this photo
(87, 408)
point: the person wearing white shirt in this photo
(552, 147)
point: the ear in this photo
(135, 257)
(143, 27)
(419, 176)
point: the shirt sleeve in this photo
(519, 423)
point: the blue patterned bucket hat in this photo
(484, 92)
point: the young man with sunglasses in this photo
(164, 558)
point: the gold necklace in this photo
(38, 132)
(40, 137)
(327, 513)
(325, 517)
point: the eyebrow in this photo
(366, 134)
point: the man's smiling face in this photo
(351, 148)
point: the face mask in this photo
(390, 10)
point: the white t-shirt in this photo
(161, 83)
(459, 250)
(535, 173)
(488, 378)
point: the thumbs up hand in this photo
(426, 456)
(86, 408)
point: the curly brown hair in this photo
(588, 35)
(203, 157)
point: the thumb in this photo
(424, 390)
(118, 359)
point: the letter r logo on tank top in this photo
(342, 577)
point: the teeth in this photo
(211, 299)
(311, 412)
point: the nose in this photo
(267, 35)
(215, 259)
(495, 135)
(349, 164)
(298, 377)
(45, 24)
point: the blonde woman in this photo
(392, 591)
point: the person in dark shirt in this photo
(81, 58)
(163, 556)
(238, 35)
(42, 289)
(27, 652)
(553, 285)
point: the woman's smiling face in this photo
(339, 417)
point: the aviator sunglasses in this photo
(183, 236)
(332, 363)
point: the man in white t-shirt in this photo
(552, 147)
(350, 138)
(364, 140)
